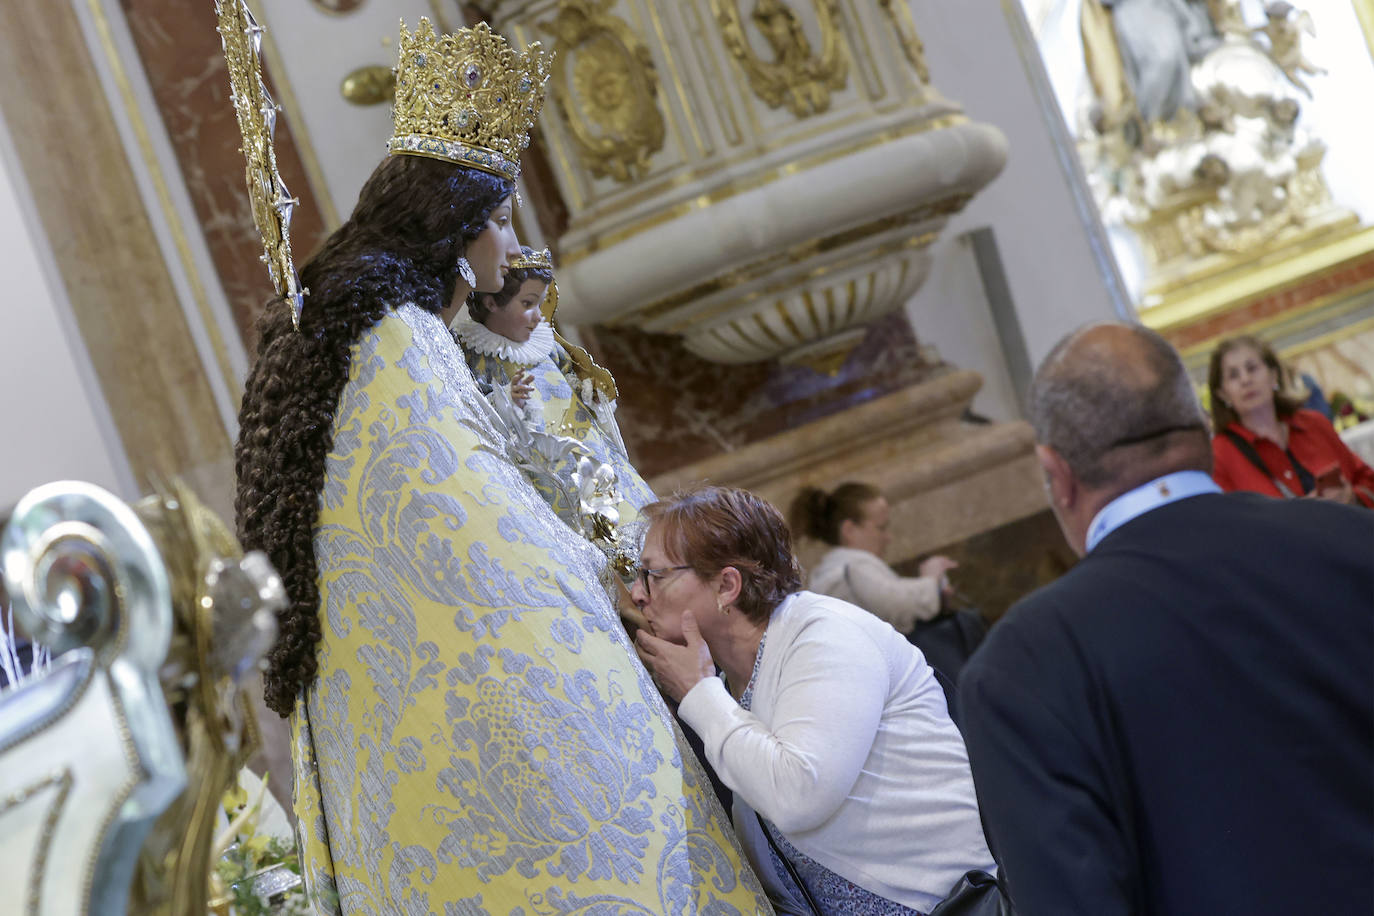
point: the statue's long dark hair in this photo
(415, 217)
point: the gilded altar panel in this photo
(1217, 140)
(792, 73)
(713, 144)
(606, 89)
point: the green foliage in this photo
(250, 855)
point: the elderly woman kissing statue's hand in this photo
(826, 723)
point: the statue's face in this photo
(517, 319)
(492, 251)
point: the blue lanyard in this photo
(1159, 492)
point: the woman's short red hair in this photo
(710, 528)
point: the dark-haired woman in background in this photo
(854, 520)
(851, 783)
(1266, 442)
(471, 729)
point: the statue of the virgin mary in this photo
(472, 730)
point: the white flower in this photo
(596, 490)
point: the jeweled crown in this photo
(535, 260)
(468, 97)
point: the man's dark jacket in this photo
(1184, 722)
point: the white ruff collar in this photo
(479, 338)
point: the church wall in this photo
(56, 422)
(315, 50)
(89, 160)
(1056, 281)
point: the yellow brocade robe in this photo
(480, 736)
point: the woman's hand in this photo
(521, 387)
(676, 669)
(1341, 493)
(936, 568)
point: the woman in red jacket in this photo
(1265, 442)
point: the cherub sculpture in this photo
(1284, 27)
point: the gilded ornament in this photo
(1232, 173)
(370, 85)
(796, 77)
(468, 98)
(905, 29)
(1226, 16)
(337, 7)
(140, 722)
(1284, 30)
(606, 89)
(587, 368)
(537, 260)
(257, 117)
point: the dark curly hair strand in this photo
(414, 218)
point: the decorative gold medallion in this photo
(796, 76)
(606, 89)
(468, 98)
(257, 116)
(369, 85)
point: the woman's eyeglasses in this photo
(646, 574)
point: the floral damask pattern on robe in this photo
(480, 737)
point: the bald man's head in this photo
(1116, 403)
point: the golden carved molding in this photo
(749, 237)
(796, 77)
(905, 28)
(760, 178)
(1188, 254)
(606, 90)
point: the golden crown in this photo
(468, 97)
(535, 260)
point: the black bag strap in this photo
(1305, 478)
(787, 864)
(977, 893)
